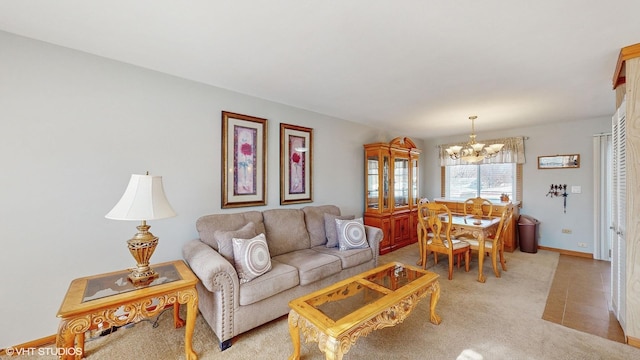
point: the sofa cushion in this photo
(224, 239)
(351, 234)
(348, 258)
(251, 257)
(314, 218)
(207, 225)
(280, 278)
(312, 265)
(286, 230)
(331, 228)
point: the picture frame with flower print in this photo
(296, 164)
(244, 150)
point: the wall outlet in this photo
(582, 245)
(566, 231)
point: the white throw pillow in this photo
(251, 257)
(351, 234)
(330, 228)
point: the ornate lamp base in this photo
(141, 247)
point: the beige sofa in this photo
(300, 263)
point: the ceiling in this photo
(415, 67)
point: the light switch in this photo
(576, 189)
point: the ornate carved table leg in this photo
(192, 310)
(65, 339)
(177, 321)
(332, 349)
(294, 331)
(67, 333)
(80, 345)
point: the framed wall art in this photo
(244, 149)
(296, 163)
(559, 161)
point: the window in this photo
(489, 178)
(488, 181)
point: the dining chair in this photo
(436, 218)
(474, 206)
(494, 245)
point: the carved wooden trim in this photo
(391, 316)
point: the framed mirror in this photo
(559, 161)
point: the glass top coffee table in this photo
(338, 315)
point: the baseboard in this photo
(568, 252)
(49, 340)
(633, 341)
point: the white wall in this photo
(74, 127)
(574, 137)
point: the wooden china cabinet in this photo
(391, 191)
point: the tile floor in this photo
(579, 297)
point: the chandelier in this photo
(473, 152)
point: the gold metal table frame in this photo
(336, 316)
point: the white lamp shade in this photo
(496, 147)
(454, 150)
(143, 199)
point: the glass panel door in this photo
(373, 185)
(401, 181)
(385, 181)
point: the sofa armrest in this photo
(374, 236)
(213, 270)
(219, 277)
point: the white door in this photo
(602, 167)
(619, 213)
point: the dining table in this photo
(478, 227)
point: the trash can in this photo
(528, 232)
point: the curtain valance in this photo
(512, 152)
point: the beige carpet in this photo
(500, 319)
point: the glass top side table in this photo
(107, 300)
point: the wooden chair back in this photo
(505, 220)
(430, 218)
(436, 218)
(474, 206)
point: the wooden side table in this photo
(106, 300)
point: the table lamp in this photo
(143, 200)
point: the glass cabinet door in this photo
(401, 181)
(386, 178)
(378, 179)
(373, 182)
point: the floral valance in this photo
(512, 152)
